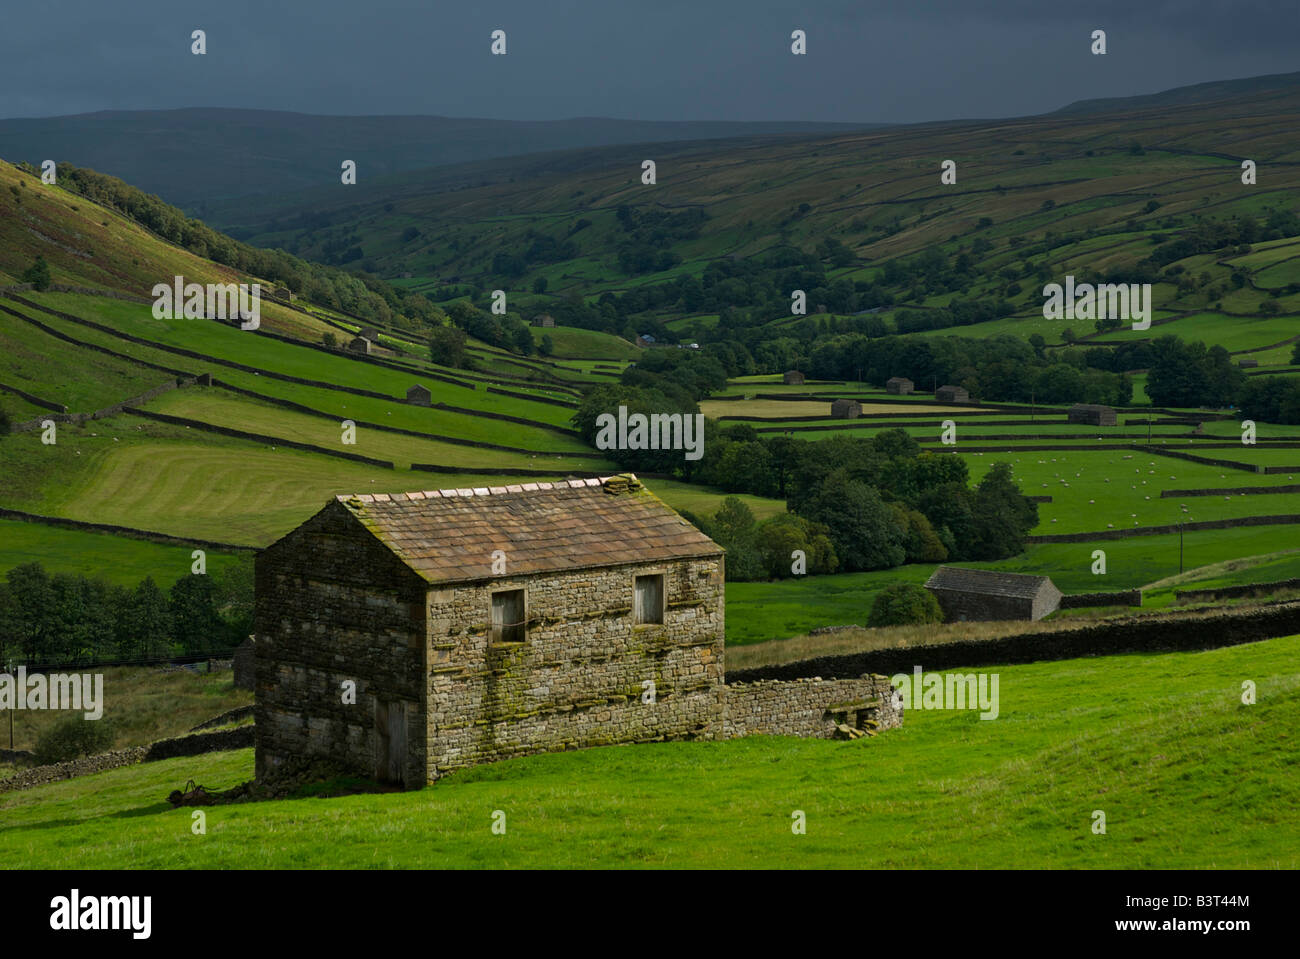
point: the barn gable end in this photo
(334, 605)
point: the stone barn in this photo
(419, 395)
(952, 394)
(543, 319)
(1247, 364)
(1093, 414)
(368, 333)
(360, 345)
(900, 385)
(478, 624)
(846, 409)
(981, 594)
(792, 378)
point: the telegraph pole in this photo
(9, 668)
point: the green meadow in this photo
(1184, 773)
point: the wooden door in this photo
(390, 740)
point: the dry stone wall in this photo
(814, 708)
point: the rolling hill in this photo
(253, 439)
(195, 156)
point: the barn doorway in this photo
(390, 740)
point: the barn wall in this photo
(957, 606)
(333, 605)
(577, 679)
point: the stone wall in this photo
(810, 707)
(126, 406)
(1146, 634)
(332, 605)
(239, 738)
(577, 680)
(1125, 597)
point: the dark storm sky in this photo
(868, 60)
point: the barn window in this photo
(648, 606)
(508, 625)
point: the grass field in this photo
(118, 559)
(1149, 740)
(145, 704)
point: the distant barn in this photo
(1093, 414)
(952, 394)
(1246, 364)
(419, 395)
(900, 385)
(543, 319)
(846, 409)
(792, 378)
(983, 594)
(360, 345)
(368, 333)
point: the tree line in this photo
(68, 618)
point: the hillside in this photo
(196, 156)
(1147, 739)
(1146, 190)
(233, 464)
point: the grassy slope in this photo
(145, 705)
(118, 559)
(1150, 740)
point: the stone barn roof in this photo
(988, 582)
(449, 535)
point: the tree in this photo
(150, 621)
(922, 544)
(27, 606)
(865, 531)
(540, 284)
(38, 274)
(447, 346)
(904, 604)
(1190, 374)
(196, 627)
(72, 737)
(733, 529)
(779, 537)
(547, 346)
(1001, 516)
(523, 340)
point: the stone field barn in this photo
(479, 624)
(982, 594)
(952, 394)
(1092, 414)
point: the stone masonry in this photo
(618, 638)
